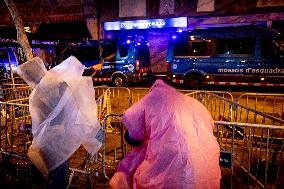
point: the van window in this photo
(192, 48)
(236, 46)
(143, 52)
(88, 53)
(272, 48)
(68, 51)
(181, 49)
(109, 49)
(3, 55)
(199, 48)
(123, 50)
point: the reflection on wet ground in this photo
(19, 173)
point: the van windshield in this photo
(143, 52)
(84, 53)
(109, 50)
(123, 50)
(88, 53)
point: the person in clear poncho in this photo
(175, 145)
(64, 114)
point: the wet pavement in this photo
(19, 173)
(16, 173)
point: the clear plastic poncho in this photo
(179, 148)
(63, 111)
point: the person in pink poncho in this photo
(177, 146)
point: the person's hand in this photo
(119, 181)
(97, 67)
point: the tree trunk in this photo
(21, 34)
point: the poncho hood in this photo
(32, 71)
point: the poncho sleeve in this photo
(123, 177)
(134, 121)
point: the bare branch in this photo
(21, 34)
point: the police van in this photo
(119, 61)
(247, 55)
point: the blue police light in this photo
(174, 36)
(128, 41)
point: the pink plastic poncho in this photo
(63, 111)
(179, 149)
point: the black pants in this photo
(57, 178)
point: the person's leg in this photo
(57, 177)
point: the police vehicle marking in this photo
(130, 67)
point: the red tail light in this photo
(168, 66)
(137, 65)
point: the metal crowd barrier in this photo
(272, 104)
(15, 94)
(250, 139)
(223, 109)
(114, 148)
(16, 85)
(83, 167)
(15, 129)
(12, 81)
(252, 158)
(120, 97)
(16, 135)
(97, 170)
(245, 147)
(138, 93)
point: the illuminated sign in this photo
(63, 18)
(180, 22)
(3, 40)
(34, 42)
(38, 42)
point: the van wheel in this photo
(194, 81)
(119, 80)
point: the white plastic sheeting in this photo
(63, 111)
(179, 149)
